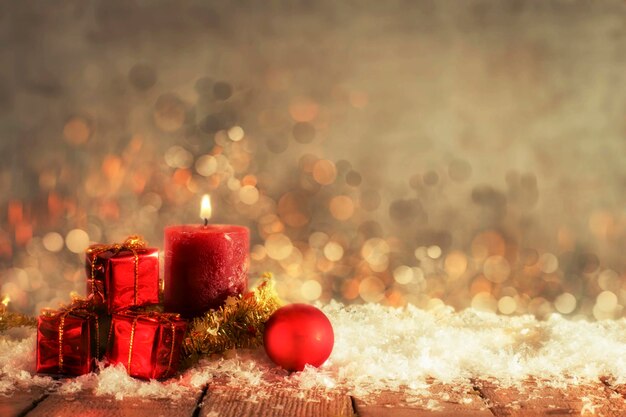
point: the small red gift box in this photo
(123, 275)
(147, 343)
(68, 340)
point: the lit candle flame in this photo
(6, 300)
(205, 209)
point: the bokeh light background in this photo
(426, 152)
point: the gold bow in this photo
(132, 243)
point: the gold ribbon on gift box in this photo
(161, 318)
(132, 243)
(80, 306)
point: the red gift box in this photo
(123, 275)
(147, 343)
(68, 340)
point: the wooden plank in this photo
(619, 388)
(535, 400)
(86, 404)
(439, 400)
(20, 402)
(226, 401)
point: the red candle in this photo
(204, 265)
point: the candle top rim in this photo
(209, 228)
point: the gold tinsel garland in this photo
(237, 324)
(9, 319)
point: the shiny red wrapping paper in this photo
(69, 340)
(148, 344)
(121, 277)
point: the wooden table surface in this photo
(476, 399)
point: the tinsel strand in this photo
(237, 324)
(9, 319)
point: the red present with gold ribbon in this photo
(69, 339)
(123, 275)
(147, 343)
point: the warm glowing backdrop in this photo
(425, 152)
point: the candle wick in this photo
(206, 221)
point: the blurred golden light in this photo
(178, 157)
(77, 240)
(293, 210)
(455, 264)
(303, 109)
(270, 224)
(395, 298)
(111, 166)
(418, 274)
(258, 252)
(540, 307)
(371, 289)
(565, 303)
(324, 172)
(53, 242)
(488, 243)
(6, 300)
(434, 304)
(278, 246)
(235, 133)
(480, 284)
(507, 305)
(375, 251)
(484, 301)
(609, 280)
(403, 274)
(434, 251)
(420, 253)
(548, 263)
(249, 180)
(496, 269)
(333, 251)
(350, 289)
(233, 184)
(77, 130)
(206, 165)
(341, 207)
(606, 301)
(311, 290)
(318, 239)
(325, 265)
(248, 194)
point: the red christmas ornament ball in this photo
(298, 334)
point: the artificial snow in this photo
(376, 348)
(17, 361)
